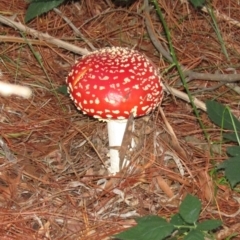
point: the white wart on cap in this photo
(111, 83)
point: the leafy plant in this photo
(222, 116)
(38, 7)
(184, 224)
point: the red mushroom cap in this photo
(110, 83)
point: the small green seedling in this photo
(182, 225)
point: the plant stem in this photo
(217, 30)
(179, 69)
(234, 125)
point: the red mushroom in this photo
(110, 84)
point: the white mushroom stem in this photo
(116, 130)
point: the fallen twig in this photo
(199, 104)
(42, 36)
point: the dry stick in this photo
(175, 92)
(228, 78)
(209, 89)
(157, 44)
(14, 39)
(77, 32)
(42, 36)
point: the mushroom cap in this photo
(112, 83)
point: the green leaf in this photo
(208, 225)
(177, 221)
(231, 137)
(232, 170)
(38, 7)
(197, 3)
(234, 151)
(221, 116)
(63, 90)
(190, 209)
(194, 235)
(148, 228)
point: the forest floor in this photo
(52, 157)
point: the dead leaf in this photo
(164, 186)
(206, 186)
